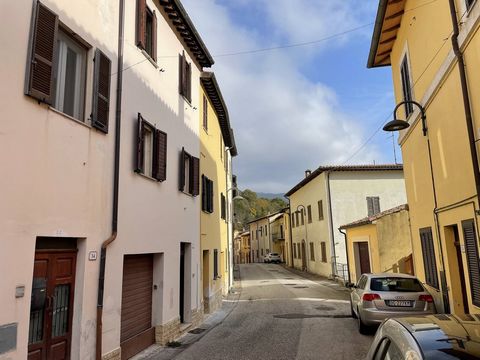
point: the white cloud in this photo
(284, 122)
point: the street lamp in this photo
(395, 125)
(304, 212)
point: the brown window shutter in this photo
(473, 261)
(181, 178)
(141, 22)
(154, 36)
(160, 156)
(44, 41)
(188, 80)
(195, 164)
(101, 92)
(180, 74)
(429, 261)
(139, 158)
(210, 196)
(204, 193)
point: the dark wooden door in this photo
(364, 257)
(304, 257)
(182, 283)
(51, 308)
(136, 332)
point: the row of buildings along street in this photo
(117, 206)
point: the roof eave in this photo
(377, 31)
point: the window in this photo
(373, 205)
(189, 174)
(262, 252)
(312, 252)
(323, 247)
(215, 264)
(428, 252)
(222, 148)
(57, 71)
(407, 90)
(395, 284)
(302, 215)
(207, 195)
(146, 33)
(294, 250)
(266, 231)
(70, 76)
(471, 251)
(151, 150)
(296, 218)
(205, 113)
(362, 282)
(469, 3)
(309, 214)
(185, 78)
(223, 205)
(293, 220)
(320, 210)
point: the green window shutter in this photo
(471, 252)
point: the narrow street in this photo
(281, 315)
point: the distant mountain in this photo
(269, 195)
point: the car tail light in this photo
(426, 298)
(370, 297)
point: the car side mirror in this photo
(351, 285)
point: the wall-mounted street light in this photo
(398, 124)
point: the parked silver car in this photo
(377, 297)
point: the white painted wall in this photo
(349, 190)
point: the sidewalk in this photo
(158, 352)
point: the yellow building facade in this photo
(418, 39)
(216, 144)
(379, 244)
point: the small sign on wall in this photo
(462, 248)
(92, 256)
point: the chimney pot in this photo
(308, 172)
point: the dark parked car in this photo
(432, 337)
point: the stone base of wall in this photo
(113, 355)
(213, 303)
(197, 317)
(167, 332)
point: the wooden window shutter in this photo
(139, 157)
(224, 207)
(204, 193)
(188, 80)
(101, 91)
(181, 179)
(210, 196)
(141, 23)
(376, 205)
(181, 74)
(154, 36)
(43, 44)
(320, 210)
(324, 252)
(195, 178)
(160, 156)
(370, 206)
(473, 261)
(429, 261)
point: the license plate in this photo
(399, 303)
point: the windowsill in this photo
(186, 100)
(207, 212)
(69, 117)
(146, 176)
(147, 55)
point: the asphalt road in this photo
(280, 315)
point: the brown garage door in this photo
(137, 332)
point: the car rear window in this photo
(274, 254)
(395, 284)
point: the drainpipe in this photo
(290, 231)
(466, 97)
(346, 251)
(334, 257)
(113, 236)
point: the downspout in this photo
(116, 172)
(466, 97)
(346, 251)
(290, 231)
(334, 257)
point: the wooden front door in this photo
(364, 257)
(51, 309)
(304, 257)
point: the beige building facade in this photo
(107, 108)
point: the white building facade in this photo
(331, 196)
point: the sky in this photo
(298, 107)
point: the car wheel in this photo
(362, 328)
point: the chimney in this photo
(308, 172)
